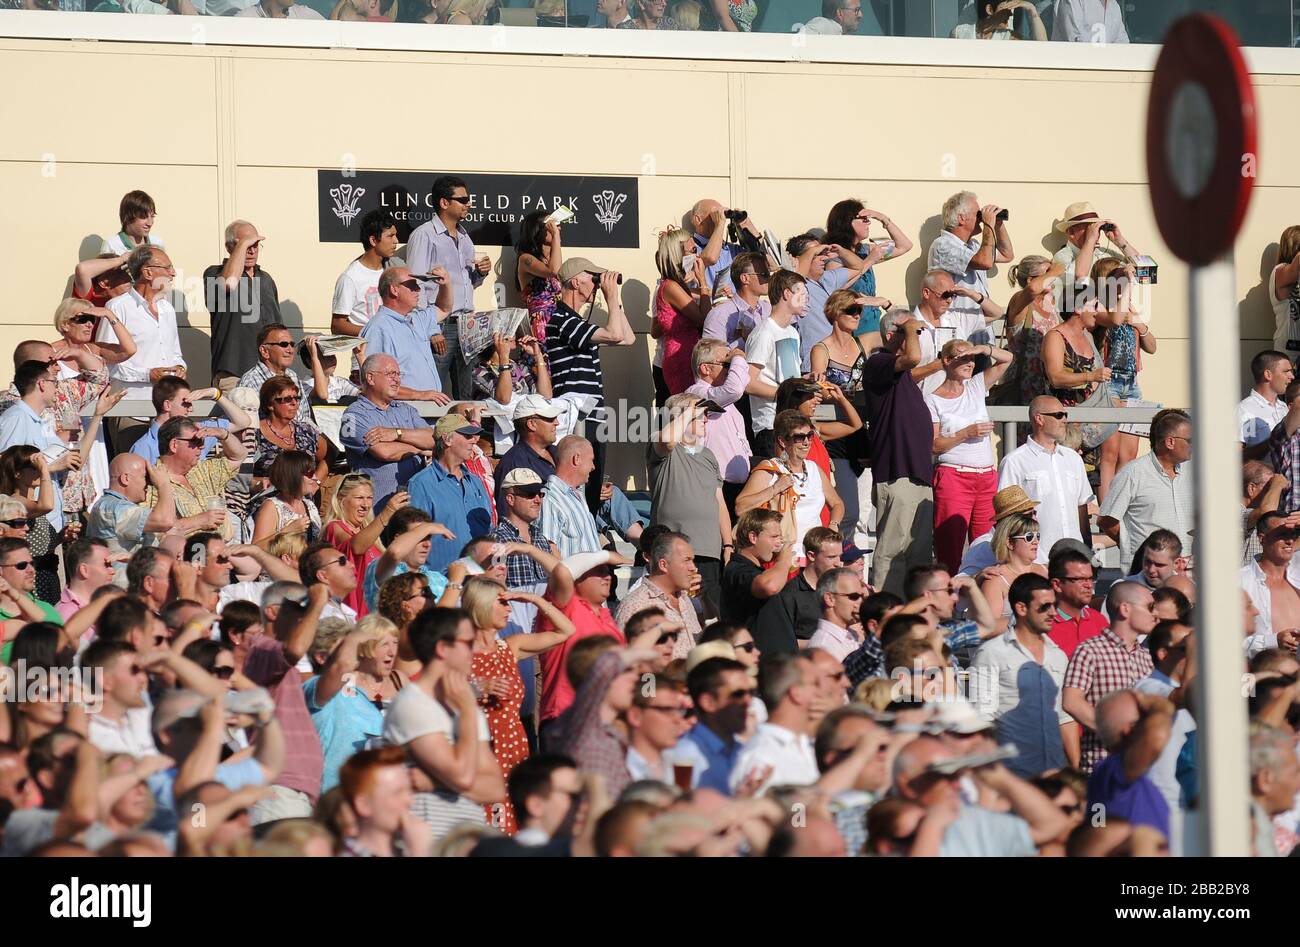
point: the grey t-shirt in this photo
(684, 496)
(29, 828)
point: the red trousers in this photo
(963, 509)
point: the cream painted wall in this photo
(240, 131)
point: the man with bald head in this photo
(1052, 474)
(566, 518)
(383, 436)
(1107, 662)
(1134, 728)
(709, 226)
(241, 298)
(121, 519)
(409, 333)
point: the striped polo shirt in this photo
(566, 519)
(573, 356)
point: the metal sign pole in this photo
(1223, 813)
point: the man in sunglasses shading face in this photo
(411, 333)
(173, 398)
(1052, 474)
(275, 354)
(840, 593)
(1016, 681)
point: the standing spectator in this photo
(1017, 678)
(670, 577)
(443, 242)
(1083, 229)
(709, 224)
(869, 660)
(197, 485)
(1134, 728)
(239, 295)
(495, 669)
(686, 492)
(539, 255)
(811, 261)
(147, 314)
(121, 518)
(356, 292)
(792, 486)
(449, 493)
(1031, 314)
(535, 421)
(758, 568)
(1108, 662)
(353, 531)
(1089, 21)
(274, 356)
(136, 213)
(411, 334)
(279, 428)
(781, 753)
(773, 353)
(965, 477)
(437, 719)
(1156, 491)
(173, 398)
(721, 374)
(849, 225)
(102, 278)
(940, 324)
(901, 435)
(1261, 493)
(721, 691)
(967, 259)
(383, 436)
(1282, 294)
(566, 515)
(1272, 583)
(656, 721)
(1284, 449)
(681, 304)
(1172, 648)
(1265, 407)
(840, 593)
(733, 319)
(1072, 574)
(573, 348)
(791, 615)
(510, 370)
(1072, 363)
(29, 423)
(1051, 474)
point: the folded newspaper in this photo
(337, 344)
(478, 328)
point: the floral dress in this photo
(266, 450)
(74, 392)
(509, 741)
(540, 295)
(1026, 347)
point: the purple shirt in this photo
(724, 433)
(732, 321)
(432, 244)
(898, 420)
(1138, 801)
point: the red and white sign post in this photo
(1201, 161)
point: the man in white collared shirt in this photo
(940, 324)
(781, 752)
(151, 320)
(1089, 21)
(1025, 701)
(122, 724)
(1264, 408)
(1272, 582)
(839, 592)
(1051, 474)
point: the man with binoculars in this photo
(709, 221)
(969, 258)
(1083, 228)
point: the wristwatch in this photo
(399, 433)
(980, 301)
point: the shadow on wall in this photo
(1255, 310)
(627, 377)
(916, 270)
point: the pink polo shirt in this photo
(68, 605)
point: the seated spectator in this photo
(377, 788)
(781, 753)
(840, 594)
(1072, 574)
(1161, 564)
(173, 398)
(758, 568)
(1015, 545)
(275, 351)
(686, 14)
(792, 614)
(721, 374)
(868, 661)
(406, 549)
(294, 482)
(198, 486)
(150, 319)
(136, 213)
(1134, 728)
(965, 477)
(510, 369)
(1089, 21)
(831, 439)
(449, 493)
(328, 387)
(238, 293)
(356, 293)
(1153, 491)
(671, 578)
(996, 20)
(437, 720)
(383, 436)
(656, 720)
(544, 791)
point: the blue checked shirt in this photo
(522, 570)
(961, 635)
(1284, 454)
(867, 661)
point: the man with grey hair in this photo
(968, 259)
(839, 592)
(1134, 728)
(408, 332)
(671, 576)
(1052, 474)
(384, 437)
(240, 297)
(148, 315)
(943, 322)
(1274, 782)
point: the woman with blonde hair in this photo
(1031, 314)
(347, 700)
(681, 303)
(401, 598)
(1284, 292)
(352, 530)
(495, 669)
(1015, 544)
(965, 475)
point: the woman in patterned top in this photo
(495, 670)
(538, 269)
(1031, 314)
(294, 484)
(279, 430)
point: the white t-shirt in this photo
(1256, 418)
(952, 325)
(776, 349)
(356, 294)
(953, 414)
(415, 714)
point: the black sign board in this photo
(605, 207)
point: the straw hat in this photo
(1009, 500)
(1077, 213)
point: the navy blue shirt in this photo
(1138, 801)
(458, 503)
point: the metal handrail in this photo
(1011, 415)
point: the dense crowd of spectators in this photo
(394, 606)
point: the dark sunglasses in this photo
(422, 593)
(948, 294)
(801, 438)
(84, 320)
(1059, 415)
(747, 646)
(851, 596)
(853, 310)
(287, 399)
(223, 674)
(668, 636)
(16, 524)
(742, 693)
(187, 405)
(531, 494)
(192, 441)
(460, 200)
(286, 344)
(21, 566)
(411, 284)
(137, 669)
